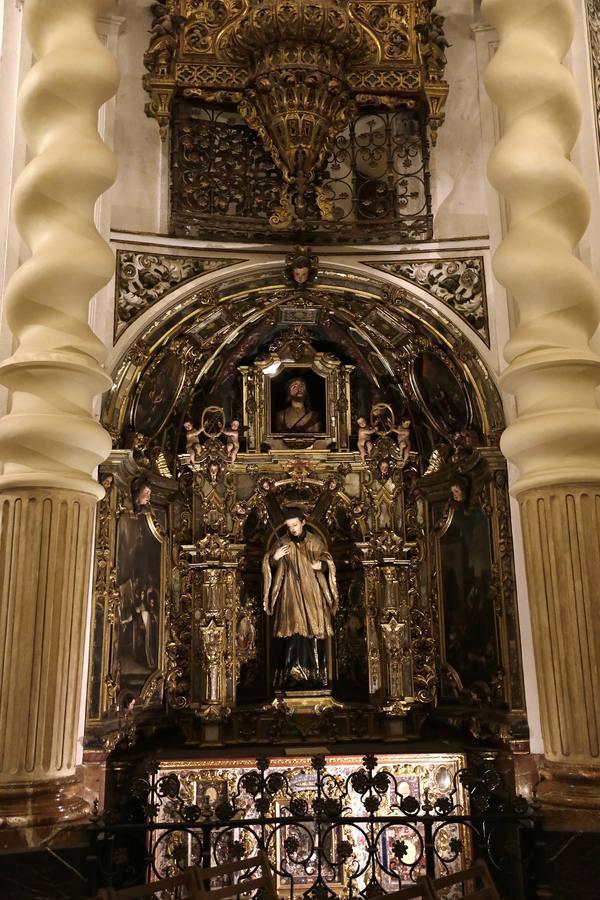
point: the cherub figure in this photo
(165, 23)
(365, 445)
(403, 434)
(192, 444)
(233, 440)
(164, 34)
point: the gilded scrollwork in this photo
(459, 283)
(397, 529)
(362, 59)
(144, 278)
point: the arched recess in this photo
(349, 298)
(399, 514)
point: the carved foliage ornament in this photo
(144, 278)
(295, 70)
(458, 283)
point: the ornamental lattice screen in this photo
(224, 183)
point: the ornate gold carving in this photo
(378, 519)
(296, 71)
(144, 278)
(459, 283)
(298, 96)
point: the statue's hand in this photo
(317, 566)
(281, 552)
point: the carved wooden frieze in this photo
(144, 278)
(458, 283)
(297, 73)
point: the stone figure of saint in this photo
(300, 592)
(297, 417)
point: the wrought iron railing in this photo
(225, 184)
(317, 844)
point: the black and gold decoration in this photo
(346, 421)
(310, 116)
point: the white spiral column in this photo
(553, 373)
(49, 441)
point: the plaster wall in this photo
(137, 192)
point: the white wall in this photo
(137, 193)
(457, 162)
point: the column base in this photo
(570, 796)
(32, 805)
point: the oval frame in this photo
(168, 406)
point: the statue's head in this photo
(296, 389)
(301, 268)
(459, 489)
(295, 521)
(301, 271)
(142, 495)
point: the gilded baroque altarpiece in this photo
(397, 473)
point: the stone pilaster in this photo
(45, 556)
(49, 441)
(561, 525)
(553, 374)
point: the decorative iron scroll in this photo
(329, 828)
(376, 179)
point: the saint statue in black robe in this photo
(300, 591)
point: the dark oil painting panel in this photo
(137, 623)
(158, 395)
(441, 394)
(470, 639)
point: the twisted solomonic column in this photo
(553, 373)
(49, 442)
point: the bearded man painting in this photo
(297, 417)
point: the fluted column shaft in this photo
(49, 442)
(553, 373)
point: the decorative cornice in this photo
(458, 283)
(144, 278)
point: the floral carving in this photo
(144, 278)
(459, 283)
